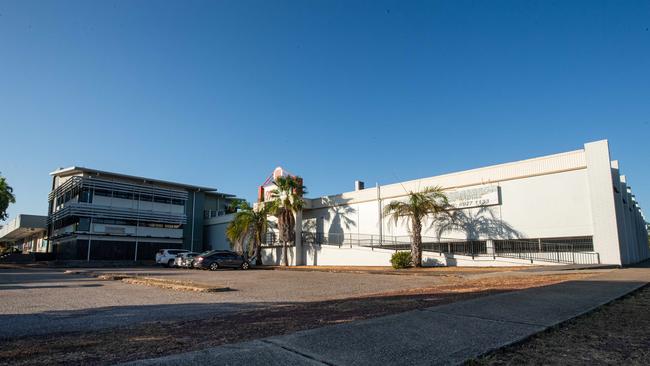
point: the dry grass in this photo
(616, 334)
(162, 338)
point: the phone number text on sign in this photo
(474, 197)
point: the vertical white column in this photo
(603, 209)
(489, 246)
(619, 197)
(380, 215)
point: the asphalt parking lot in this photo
(39, 301)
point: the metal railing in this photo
(569, 251)
(270, 240)
(353, 239)
(557, 250)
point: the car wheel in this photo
(245, 265)
(170, 263)
(214, 266)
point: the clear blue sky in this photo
(218, 93)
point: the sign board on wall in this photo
(474, 197)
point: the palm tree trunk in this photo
(258, 250)
(285, 259)
(416, 245)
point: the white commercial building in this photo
(573, 207)
(25, 233)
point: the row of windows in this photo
(86, 195)
(136, 223)
(136, 196)
(67, 196)
(83, 223)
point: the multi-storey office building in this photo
(95, 214)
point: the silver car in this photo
(185, 260)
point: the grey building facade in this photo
(99, 215)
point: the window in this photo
(103, 193)
(86, 196)
(84, 224)
(162, 200)
(115, 222)
(123, 195)
(145, 197)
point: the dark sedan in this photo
(220, 259)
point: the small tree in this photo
(417, 210)
(6, 198)
(249, 223)
(287, 202)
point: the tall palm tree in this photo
(250, 223)
(286, 202)
(417, 210)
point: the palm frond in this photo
(420, 206)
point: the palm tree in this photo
(417, 210)
(286, 203)
(251, 223)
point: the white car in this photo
(184, 260)
(166, 257)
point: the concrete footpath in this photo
(447, 334)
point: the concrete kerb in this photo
(144, 279)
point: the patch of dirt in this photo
(422, 271)
(156, 339)
(616, 334)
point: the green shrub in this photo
(401, 260)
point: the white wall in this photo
(552, 205)
(603, 208)
(327, 255)
(562, 195)
(273, 256)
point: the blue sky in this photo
(218, 93)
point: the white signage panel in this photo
(474, 197)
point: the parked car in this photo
(184, 260)
(220, 259)
(166, 257)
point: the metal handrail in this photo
(580, 251)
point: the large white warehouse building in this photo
(573, 207)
